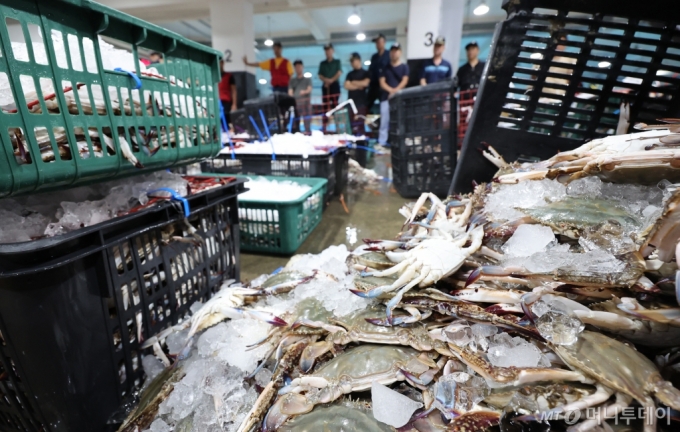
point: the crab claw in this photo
(424, 379)
(311, 353)
(268, 318)
(290, 402)
(474, 276)
(373, 293)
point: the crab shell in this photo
(335, 418)
(619, 367)
(354, 370)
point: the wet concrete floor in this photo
(373, 212)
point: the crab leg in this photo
(610, 411)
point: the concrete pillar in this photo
(233, 32)
(428, 19)
(451, 27)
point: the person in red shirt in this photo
(228, 92)
(281, 69)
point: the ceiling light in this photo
(482, 9)
(308, 75)
(269, 42)
(361, 36)
(604, 64)
(367, 63)
(263, 81)
(536, 56)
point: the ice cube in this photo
(259, 281)
(559, 328)
(263, 377)
(391, 407)
(159, 425)
(586, 187)
(527, 240)
(522, 355)
(459, 392)
(152, 367)
(176, 341)
(483, 330)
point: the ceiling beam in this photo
(314, 23)
(285, 6)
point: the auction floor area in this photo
(373, 212)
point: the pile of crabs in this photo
(544, 300)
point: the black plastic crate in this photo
(424, 108)
(276, 109)
(558, 71)
(241, 122)
(328, 166)
(70, 307)
(417, 174)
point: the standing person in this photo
(436, 69)
(280, 68)
(329, 73)
(301, 89)
(379, 61)
(470, 74)
(392, 79)
(356, 83)
(228, 93)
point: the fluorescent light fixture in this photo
(604, 64)
(361, 36)
(308, 75)
(269, 42)
(367, 63)
(536, 56)
(263, 81)
(354, 19)
(482, 9)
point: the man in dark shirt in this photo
(436, 69)
(356, 83)
(329, 73)
(470, 74)
(378, 61)
(393, 78)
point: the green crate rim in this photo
(289, 241)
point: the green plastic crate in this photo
(77, 21)
(281, 227)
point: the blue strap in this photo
(290, 124)
(277, 271)
(269, 135)
(225, 126)
(257, 129)
(174, 195)
(138, 82)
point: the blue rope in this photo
(252, 120)
(266, 129)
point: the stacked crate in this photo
(423, 122)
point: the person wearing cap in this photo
(393, 78)
(470, 74)
(300, 87)
(356, 83)
(228, 92)
(378, 62)
(280, 68)
(436, 69)
(329, 73)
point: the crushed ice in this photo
(262, 189)
(54, 213)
